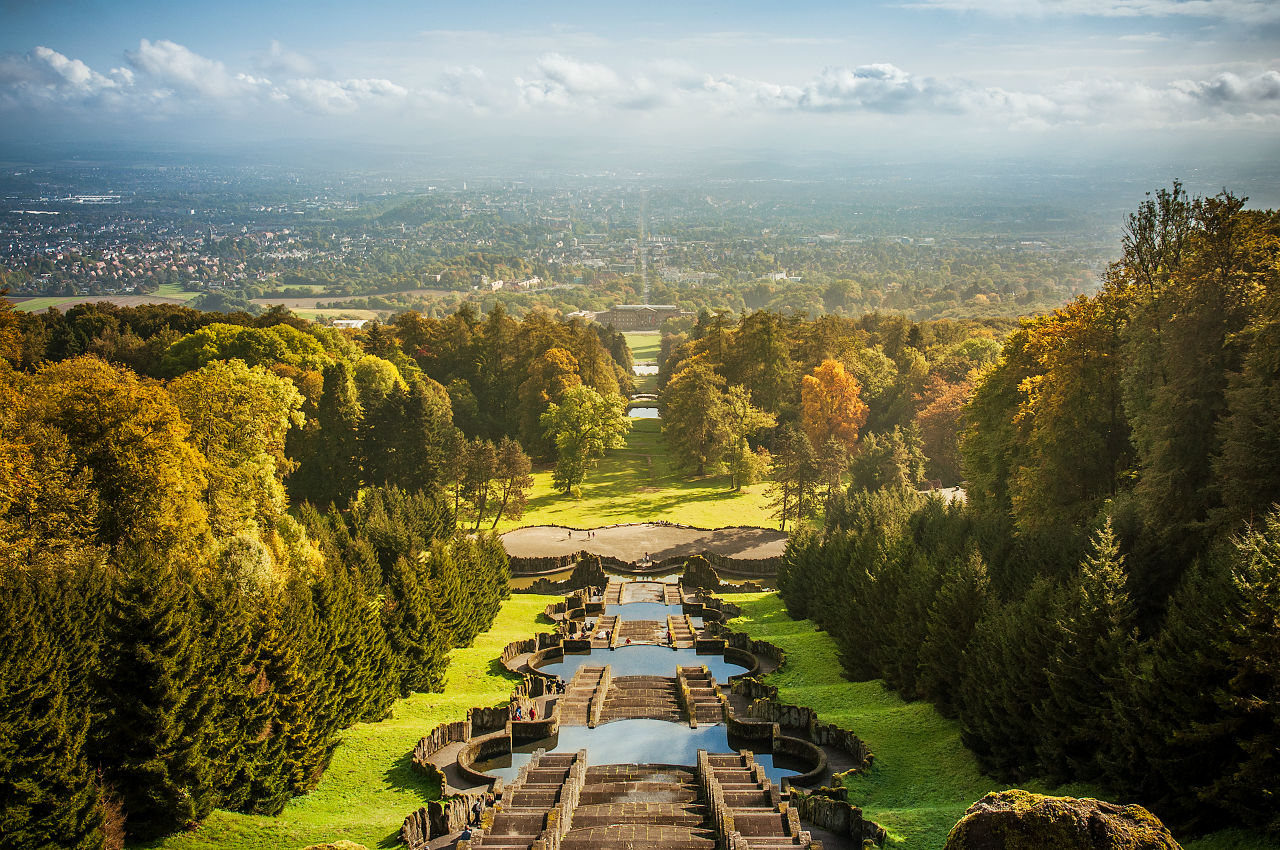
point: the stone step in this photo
(763, 824)
(675, 814)
(628, 836)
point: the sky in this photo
(932, 78)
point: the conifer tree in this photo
(1097, 636)
(47, 791)
(418, 642)
(154, 743)
(960, 603)
(1004, 675)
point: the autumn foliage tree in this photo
(831, 405)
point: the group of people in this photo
(533, 711)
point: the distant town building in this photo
(353, 324)
(633, 317)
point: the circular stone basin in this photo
(639, 742)
(642, 660)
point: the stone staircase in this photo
(640, 806)
(700, 696)
(613, 592)
(744, 807)
(582, 699)
(605, 623)
(671, 595)
(538, 809)
(638, 631)
(648, 697)
(681, 631)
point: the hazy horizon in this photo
(1182, 83)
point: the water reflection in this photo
(644, 413)
(642, 660)
(648, 611)
(639, 742)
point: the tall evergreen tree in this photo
(1097, 638)
(154, 743)
(48, 795)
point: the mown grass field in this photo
(644, 345)
(923, 778)
(638, 484)
(370, 787)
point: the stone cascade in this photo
(575, 705)
(642, 697)
(681, 631)
(638, 805)
(671, 595)
(538, 809)
(639, 631)
(606, 627)
(745, 808)
(613, 592)
(700, 696)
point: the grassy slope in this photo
(369, 787)
(923, 778)
(637, 484)
(644, 345)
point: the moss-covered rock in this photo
(1020, 820)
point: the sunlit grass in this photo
(638, 484)
(369, 788)
(644, 345)
(923, 777)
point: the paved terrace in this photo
(631, 542)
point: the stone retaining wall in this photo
(766, 707)
(545, 565)
(827, 808)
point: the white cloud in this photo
(321, 95)
(1239, 11)
(283, 62)
(171, 65)
(45, 75)
(561, 81)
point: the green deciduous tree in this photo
(583, 426)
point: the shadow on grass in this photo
(402, 777)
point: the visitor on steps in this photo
(477, 810)
(533, 712)
(466, 834)
(519, 712)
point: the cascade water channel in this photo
(634, 747)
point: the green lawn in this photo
(35, 305)
(173, 290)
(370, 787)
(644, 345)
(923, 778)
(637, 484)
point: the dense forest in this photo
(224, 539)
(1104, 606)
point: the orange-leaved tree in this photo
(831, 405)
